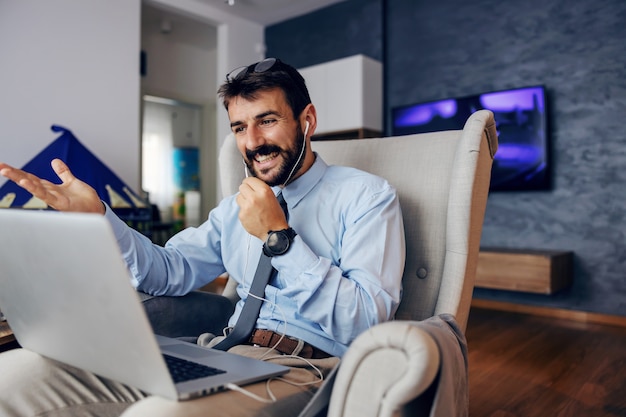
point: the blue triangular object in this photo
(83, 164)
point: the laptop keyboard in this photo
(183, 370)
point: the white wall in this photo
(73, 63)
(181, 63)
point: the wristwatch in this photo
(278, 242)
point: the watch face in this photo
(278, 242)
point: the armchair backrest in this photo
(442, 180)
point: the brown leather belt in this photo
(287, 345)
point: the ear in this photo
(309, 115)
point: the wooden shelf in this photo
(348, 134)
(6, 335)
(524, 270)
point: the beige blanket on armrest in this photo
(451, 385)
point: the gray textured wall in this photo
(344, 29)
(577, 49)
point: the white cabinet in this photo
(347, 94)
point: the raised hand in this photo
(259, 210)
(71, 195)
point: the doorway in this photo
(171, 136)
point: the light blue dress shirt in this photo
(341, 275)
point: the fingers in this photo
(254, 193)
(16, 175)
(72, 195)
(259, 210)
(7, 171)
(254, 184)
(62, 171)
(24, 178)
(40, 188)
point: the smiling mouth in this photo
(261, 159)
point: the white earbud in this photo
(306, 128)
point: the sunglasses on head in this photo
(261, 66)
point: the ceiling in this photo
(179, 28)
(268, 12)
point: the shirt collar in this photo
(295, 191)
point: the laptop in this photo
(66, 294)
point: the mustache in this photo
(262, 150)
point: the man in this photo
(339, 263)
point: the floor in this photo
(529, 366)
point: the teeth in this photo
(263, 158)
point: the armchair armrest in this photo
(385, 368)
(416, 368)
(189, 315)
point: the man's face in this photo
(268, 136)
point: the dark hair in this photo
(247, 83)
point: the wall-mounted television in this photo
(522, 162)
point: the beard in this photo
(292, 161)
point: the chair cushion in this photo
(190, 315)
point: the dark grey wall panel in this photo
(577, 49)
(344, 29)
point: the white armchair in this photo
(443, 181)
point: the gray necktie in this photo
(250, 312)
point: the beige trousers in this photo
(31, 385)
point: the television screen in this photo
(522, 160)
